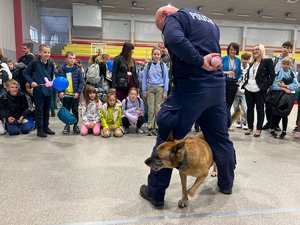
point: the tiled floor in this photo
(94, 181)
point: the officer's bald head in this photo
(162, 13)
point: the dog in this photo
(192, 156)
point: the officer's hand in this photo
(206, 64)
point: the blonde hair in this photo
(11, 82)
(286, 60)
(262, 50)
(43, 46)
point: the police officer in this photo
(199, 92)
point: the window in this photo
(43, 38)
(33, 34)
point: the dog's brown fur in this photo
(192, 156)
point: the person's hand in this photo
(281, 84)
(75, 95)
(288, 91)
(10, 119)
(231, 73)
(138, 111)
(165, 96)
(112, 127)
(145, 94)
(33, 84)
(20, 120)
(206, 64)
(61, 95)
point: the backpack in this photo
(126, 101)
(93, 73)
(161, 66)
(66, 116)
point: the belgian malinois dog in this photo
(192, 156)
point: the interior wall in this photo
(7, 29)
(138, 28)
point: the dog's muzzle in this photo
(154, 162)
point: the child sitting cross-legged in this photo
(14, 109)
(133, 111)
(110, 116)
(90, 112)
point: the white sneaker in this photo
(126, 130)
(2, 130)
(139, 131)
(245, 127)
(238, 125)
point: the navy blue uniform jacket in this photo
(189, 36)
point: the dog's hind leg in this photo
(215, 170)
(184, 198)
(196, 185)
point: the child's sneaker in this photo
(283, 133)
(239, 125)
(76, 129)
(295, 130)
(273, 133)
(66, 130)
(2, 130)
(245, 127)
(139, 131)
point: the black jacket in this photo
(265, 75)
(119, 73)
(13, 106)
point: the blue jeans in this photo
(15, 128)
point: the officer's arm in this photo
(179, 44)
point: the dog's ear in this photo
(170, 137)
(177, 147)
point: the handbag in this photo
(66, 116)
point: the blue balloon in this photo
(60, 83)
(110, 65)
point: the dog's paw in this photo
(182, 204)
(214, 174)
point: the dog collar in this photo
(183, 163)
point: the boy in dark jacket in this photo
(35, 74)
(71, 94)
(14, 109)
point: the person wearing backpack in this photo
(70, 96)
(92, 75)
(155, 86)
(124, 72)
(286, 49)
(133, 111)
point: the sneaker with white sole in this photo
(245, 127)
(139, 131)
(238, 125)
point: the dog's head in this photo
(169, 154)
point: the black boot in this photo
(41, 134)
(283, 133)
(273, 133)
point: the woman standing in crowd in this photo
(259, 78)
(232, 71)
(124, 73)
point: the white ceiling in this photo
(273, 11)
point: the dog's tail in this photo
(236, 115)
